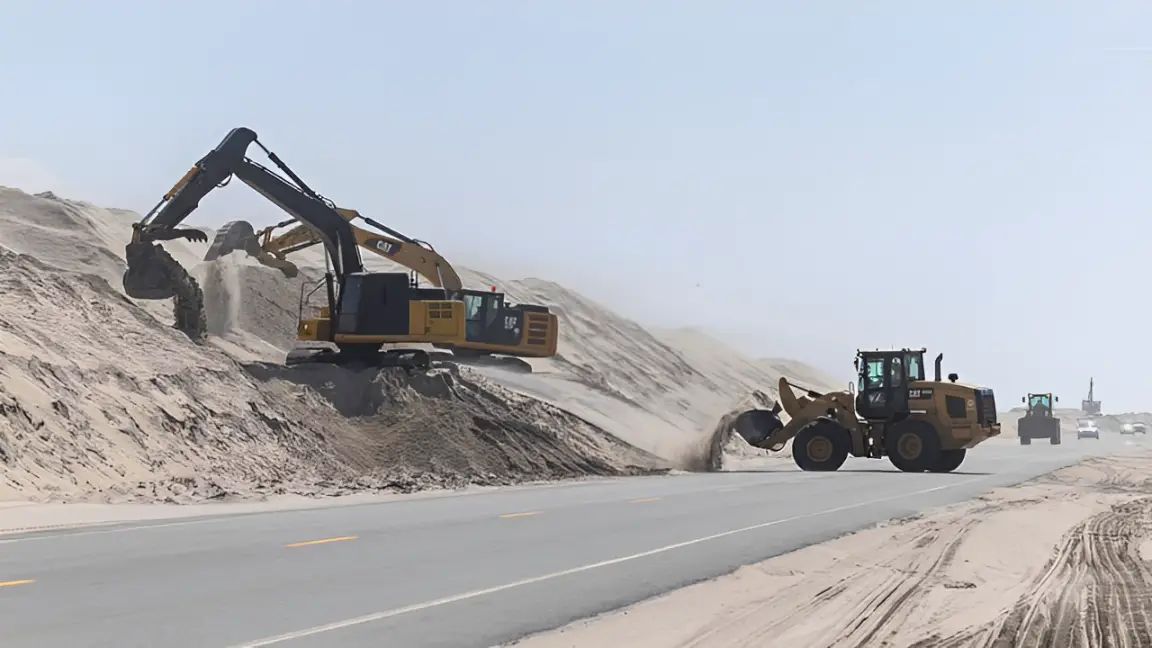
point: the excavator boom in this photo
(153, 274)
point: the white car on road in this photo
(1133, 428)
(1086, 429)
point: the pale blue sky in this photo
(771, 170)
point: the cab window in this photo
(873, 375)
(914, 364)
(1040, 400)
(473, 305)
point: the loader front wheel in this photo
(912, 446)
(949, 460)
(821, 446)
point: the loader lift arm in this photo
(153, 274)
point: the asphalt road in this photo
(468, 570)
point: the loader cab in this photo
(1040, 404)
(882, 381)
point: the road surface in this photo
(468, 570)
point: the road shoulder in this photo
(1014, 567)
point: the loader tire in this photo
(1025, 440)
(821, 446)
(912, 446)
(949, 460)
(1055, 439)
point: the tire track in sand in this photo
(1096, 590)
(865, 607)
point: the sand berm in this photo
(102, 400)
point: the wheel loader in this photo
(497, 333)
(363, 311)
(1039, 422)
(892, 411)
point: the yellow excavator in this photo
(364, 310)
(497, 333)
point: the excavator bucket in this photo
(239, 235)
(152, 273)
(232, 236)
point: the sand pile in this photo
(457, 429)
(102, 398)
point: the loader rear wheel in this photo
(821, 446)
(949, 460)
(912, 446)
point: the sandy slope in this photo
(1060, 561)
(102, 398)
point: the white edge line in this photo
(378, 616)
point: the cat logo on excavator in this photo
(385, 247)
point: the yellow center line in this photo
(644, 499)
(16, 582)
(516, 515)
(316, 542)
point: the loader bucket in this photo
(232, 236)
(756, 426)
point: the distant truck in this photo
(1039, 422)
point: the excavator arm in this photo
(270, 250)
(153, 274)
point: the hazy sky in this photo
(804, 177)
